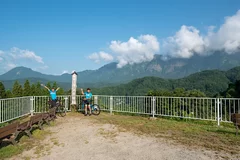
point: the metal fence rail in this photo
(13, 108)
(40, 103)
(227, 106)
(186, 107)
(215, 109)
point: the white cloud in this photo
(97, 57)
(26, 54)
(9, 66)
(188, 40)
(18, 57)
(65, 71)
(44, 67)
(105, 56)
(227, 38)
(1, 53)
(184, 43)
(135, 50)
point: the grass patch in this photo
(55, 141)
(187, 132)
(10, 150)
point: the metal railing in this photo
(40, 103)
(214, 109)
(13, 108)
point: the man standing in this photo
(53, 95)
(86, 100)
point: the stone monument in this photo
(74, 87)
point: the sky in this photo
(56, 37)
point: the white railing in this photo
(40, 103)
(13, 108)
(214, 109)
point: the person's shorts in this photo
(53, 102)
(87, 102)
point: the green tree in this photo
(17, 89)
(27, 89)
(55, 85)
(179, 92)
(33, 90)
(233, 90)
(39, 89)
(195, 93)
(9, 94)
(2, 91)
(45, 91)
(60, 91)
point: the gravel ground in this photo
(79, 138)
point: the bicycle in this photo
(61, 110)
(94, 108)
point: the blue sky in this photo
(61, 36)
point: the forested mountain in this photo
(173, 68)
(211, 82)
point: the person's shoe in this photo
(90, 114)
(85, 114)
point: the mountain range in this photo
(110, 75)
(210, 82)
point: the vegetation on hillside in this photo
(28, 90)
(210, 83)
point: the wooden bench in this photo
(236, 121)
(50, 115)
(36, 120)
(25, 127)
(9, 133)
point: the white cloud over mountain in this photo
(97, 57)
(19, 57)
(135, 50)
(186, 42)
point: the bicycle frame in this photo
(91, 105)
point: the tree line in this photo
(233, 90)
(28, 89)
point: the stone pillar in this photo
(74, 87)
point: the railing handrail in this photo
(205, 108)
(127, 96)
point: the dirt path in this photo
(78, 138)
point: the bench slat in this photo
(8, 130)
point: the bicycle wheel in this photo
(80, 108)
(95, 109)
(62, 111)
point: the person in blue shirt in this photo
(53, 95)
(86, 100)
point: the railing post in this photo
(31, 105)
(218, 111)
(66, 103)
(153, 106)
(95, 99)
(111, 104)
